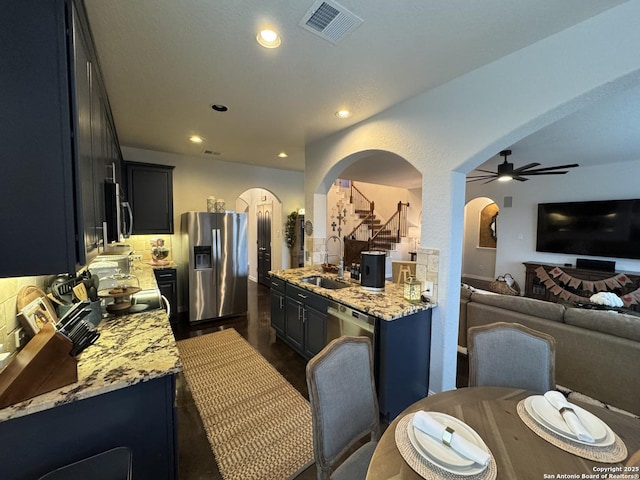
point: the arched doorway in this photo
(264, 214)
(480, 241)
(385, 179)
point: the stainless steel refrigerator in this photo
(216, 245)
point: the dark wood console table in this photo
(535, 288)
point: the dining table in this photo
(517, 451)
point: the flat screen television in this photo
(606, 228)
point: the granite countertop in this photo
(387, 305)
(131, 349)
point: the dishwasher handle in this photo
(365, 322)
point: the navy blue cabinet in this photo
(141, 417)
(278, 306)
(150, 192)
(298, 317)
(403, 349)
(58, 138)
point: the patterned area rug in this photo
(258, 425)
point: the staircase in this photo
(370, 233)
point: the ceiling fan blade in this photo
(560, 172)
(529, 165)
(520, 179)
(485, 171)
(557, 167)
(477, 179)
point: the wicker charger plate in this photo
(613, 453)
(429, 470)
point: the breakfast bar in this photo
(124, 396)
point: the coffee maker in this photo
(372, 270)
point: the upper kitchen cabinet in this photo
(150, 192)
(58, 138)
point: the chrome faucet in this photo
(326, 255)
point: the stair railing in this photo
(359, 201)
(395, 228)
(363, 230)
(363, 206)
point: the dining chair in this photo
(505, 354)
(344, 408)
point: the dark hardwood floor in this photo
(195, 459)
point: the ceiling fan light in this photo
(505, 178)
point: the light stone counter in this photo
(387, 305)
(131, 349)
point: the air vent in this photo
(211, 152)
(330, 20)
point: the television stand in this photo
(535, 288)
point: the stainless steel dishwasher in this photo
(343, 320)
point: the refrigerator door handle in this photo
(216, 244)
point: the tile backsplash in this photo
(141, 245)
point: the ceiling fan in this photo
(506, 171)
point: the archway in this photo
(480, 242)
(383, 178)
(262, 205)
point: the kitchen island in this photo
(124, 396)
(306, 316)
(387, 305)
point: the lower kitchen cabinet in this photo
(299, 317)
(294, 323)
(402, 359)
(315, 331)
(167, 280)
(277, 306)
(141, 417)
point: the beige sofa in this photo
(597, 351)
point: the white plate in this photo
(442, 456)
(541, 410)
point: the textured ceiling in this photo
(165, 62)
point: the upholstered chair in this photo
(507, 354)
(344, 408)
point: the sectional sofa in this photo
(597, 351)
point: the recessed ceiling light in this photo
(196, 139)
(269, 39)
(283, 155)
(343, 114)
(219, 108)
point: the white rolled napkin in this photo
(558, 401)
(429, 425)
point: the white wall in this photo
(517, 225)
(451, 129)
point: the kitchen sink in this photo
(327, 283)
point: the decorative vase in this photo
(211, 204)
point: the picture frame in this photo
(36, 314)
